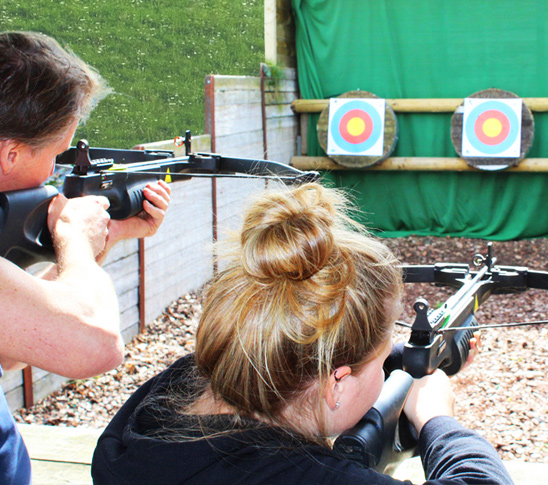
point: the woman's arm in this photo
(449, 451)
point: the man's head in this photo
(43, 88)
(45, 91)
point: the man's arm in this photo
(100, 334)
(69, 326)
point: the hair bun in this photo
(288, 236)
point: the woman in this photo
(66, 320)
(289, 352)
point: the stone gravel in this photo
(503, 395)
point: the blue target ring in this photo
(470, 127)
(335, 126)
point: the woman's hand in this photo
(475, 346)
(430, 396)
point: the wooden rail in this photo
(419, 105)
(430, 164)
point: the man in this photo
(66, 320)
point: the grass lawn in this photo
(155, 54)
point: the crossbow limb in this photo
(121, 176)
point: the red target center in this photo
(492, 127)
(356, 126)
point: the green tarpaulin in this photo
(431, 49)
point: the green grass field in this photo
(155, 54)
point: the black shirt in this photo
(150, 442)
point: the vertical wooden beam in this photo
(142, 284)
(270, 32)
(279, 33)
(28, 388)
(263, 112)
(210, 129)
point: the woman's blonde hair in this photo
(303, 291)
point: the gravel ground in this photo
(503, 395)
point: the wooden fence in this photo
(245, 117)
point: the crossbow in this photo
(120, 175)
(439, 339)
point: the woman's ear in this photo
(335, 386)
(8, 155)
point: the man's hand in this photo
(144, 224)
(83, 218)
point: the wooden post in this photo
(28, 388)
(263, 113)
(142, 285)
(210, 129)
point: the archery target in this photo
(356, 126)
(491, 128)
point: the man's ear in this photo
(335, 386)
(9, 152)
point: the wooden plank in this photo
(171, 251)
(15, 398)
(128, 300)
(273, 95)
(238, 96)
(124, 273)
(56, 443)
(233, 119)
(11, 379)
(281, 85)
(280, 97)
(121, 250)
(236, 82)
(284, 155)
(283, 142)
(233, 196)
(129, 319)
(417, 164)
(236, 142)
(228, 83)
(186, 198)
(289, 73)
(186, 229)
(129, 333)
(45, 386)
(281, 123)
(56, 473)
(280, 111)
(248, 144)
(419, 105)
(188, 282)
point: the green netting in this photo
(431, 49)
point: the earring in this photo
(337, 404)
